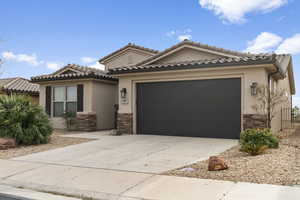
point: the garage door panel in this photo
(199, 108)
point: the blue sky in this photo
(37, 37)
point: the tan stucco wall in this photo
(104, 97)
(247, 75)
(129, 57)
(281, 84)
(33, 98)
(186, 54)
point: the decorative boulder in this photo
(216, 164)
(6, 143)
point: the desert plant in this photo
(70, 118)
(268, 102)
(295, 112)
(256, 141)
(24, 121)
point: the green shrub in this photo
(256, 141)
(24, 121)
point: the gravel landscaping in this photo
(55, 142)
(277, 166)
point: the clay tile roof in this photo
(79, 73)
(19, 85)
(152, 51)
(219, 62)
(195, 44)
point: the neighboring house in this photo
(89, 92)
(189, 89)
(19, 86)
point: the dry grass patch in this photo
(277, 166)
(55, 142)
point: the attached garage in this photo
(196, 108)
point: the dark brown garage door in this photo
(197, 108)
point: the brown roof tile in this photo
(20, 85)
(79, 73)
(196, 44)
(219, 62)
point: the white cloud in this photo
(88, 59)
(170, 33)
(30, 59)
(234, 11)
(54, 65)
(264, 42)
(290, 45)
(184, 37)
(97, 65)
(180, 34)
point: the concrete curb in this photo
(14, 193)
(61, 190)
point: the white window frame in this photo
(65, 99)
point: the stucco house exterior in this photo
(89, 92)
(189, 89)
(20, 86)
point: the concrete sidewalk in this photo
(122, 185)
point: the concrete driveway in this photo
(136, 153)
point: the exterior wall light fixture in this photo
(123, 93)
(253, 87)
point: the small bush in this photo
(256, 141)
(24, 121)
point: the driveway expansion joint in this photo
(141, 182)
(83, 167)
(18, 173)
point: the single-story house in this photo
(89, 92)
(19, 86)
(189, 89)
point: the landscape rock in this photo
(6, 143)
(216, 164)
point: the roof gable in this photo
(129, 46)
(128, 57)
(201, 48)
(67, 70)
(185, 53)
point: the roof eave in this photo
(22, 91)
(184, 67)
(90, 76)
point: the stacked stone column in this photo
(254, 121)
(86, 121)
(125, 123)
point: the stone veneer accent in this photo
(254, 121)
(125, 123)
(86, 121)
